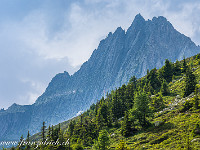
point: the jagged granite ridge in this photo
(122, 54)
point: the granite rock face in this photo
(122, 54)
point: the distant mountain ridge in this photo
(122, 54)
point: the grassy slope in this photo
(175, 129)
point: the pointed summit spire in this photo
(119, 30)
(138, 22)
(139, 17)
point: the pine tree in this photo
(152, 79)
(28, 147)
(133, 81)
(164, 88)
(167, 71)
(190, 83)
(55, 134)
(43, 131)
(52, 132)
(49, 134)
(116, 106)
(61, 140)
(145, 88)
(96, 108)
(157, 103)
(177, 68)
(103, 116)
(141, 108)
(71, 127)
(196, 129)
(129, 96)
(122, 99)
(126, 126)
(59, 127)
(103, 141)
(185, 67)
(81, 120)
(147, 71)
(150, 89)
(196, 99)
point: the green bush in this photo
(186, 106)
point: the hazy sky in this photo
(40, 38)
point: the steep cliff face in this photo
(149, 43)
(145, 45)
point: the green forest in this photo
(158, 111)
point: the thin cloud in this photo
(52, 36)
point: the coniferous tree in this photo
(28, 147)
(153, 80)
(164, 88)
(59, 127)
(190, 83)
(167, 71)
(173, 77)
(116, 106)
(129, 96)
(177, 68)
(150, 89)
(81, 119)
(96, 108)
(52, 132)
(145, 88)
(122, 99)
(103, 116)
(61, 140)
(43, 131)
(55, 134)
(196, 99)
(157, 103)
(49, 133)
(133, 81)
(141, 108)
(185, 67)
(126, 126)
(147, 71)
(103, 141)
(196, 130)
(71, 127)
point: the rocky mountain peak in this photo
(138, 21)
(139, 18)
(119, 56)
(161, 21)
(119, 30)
